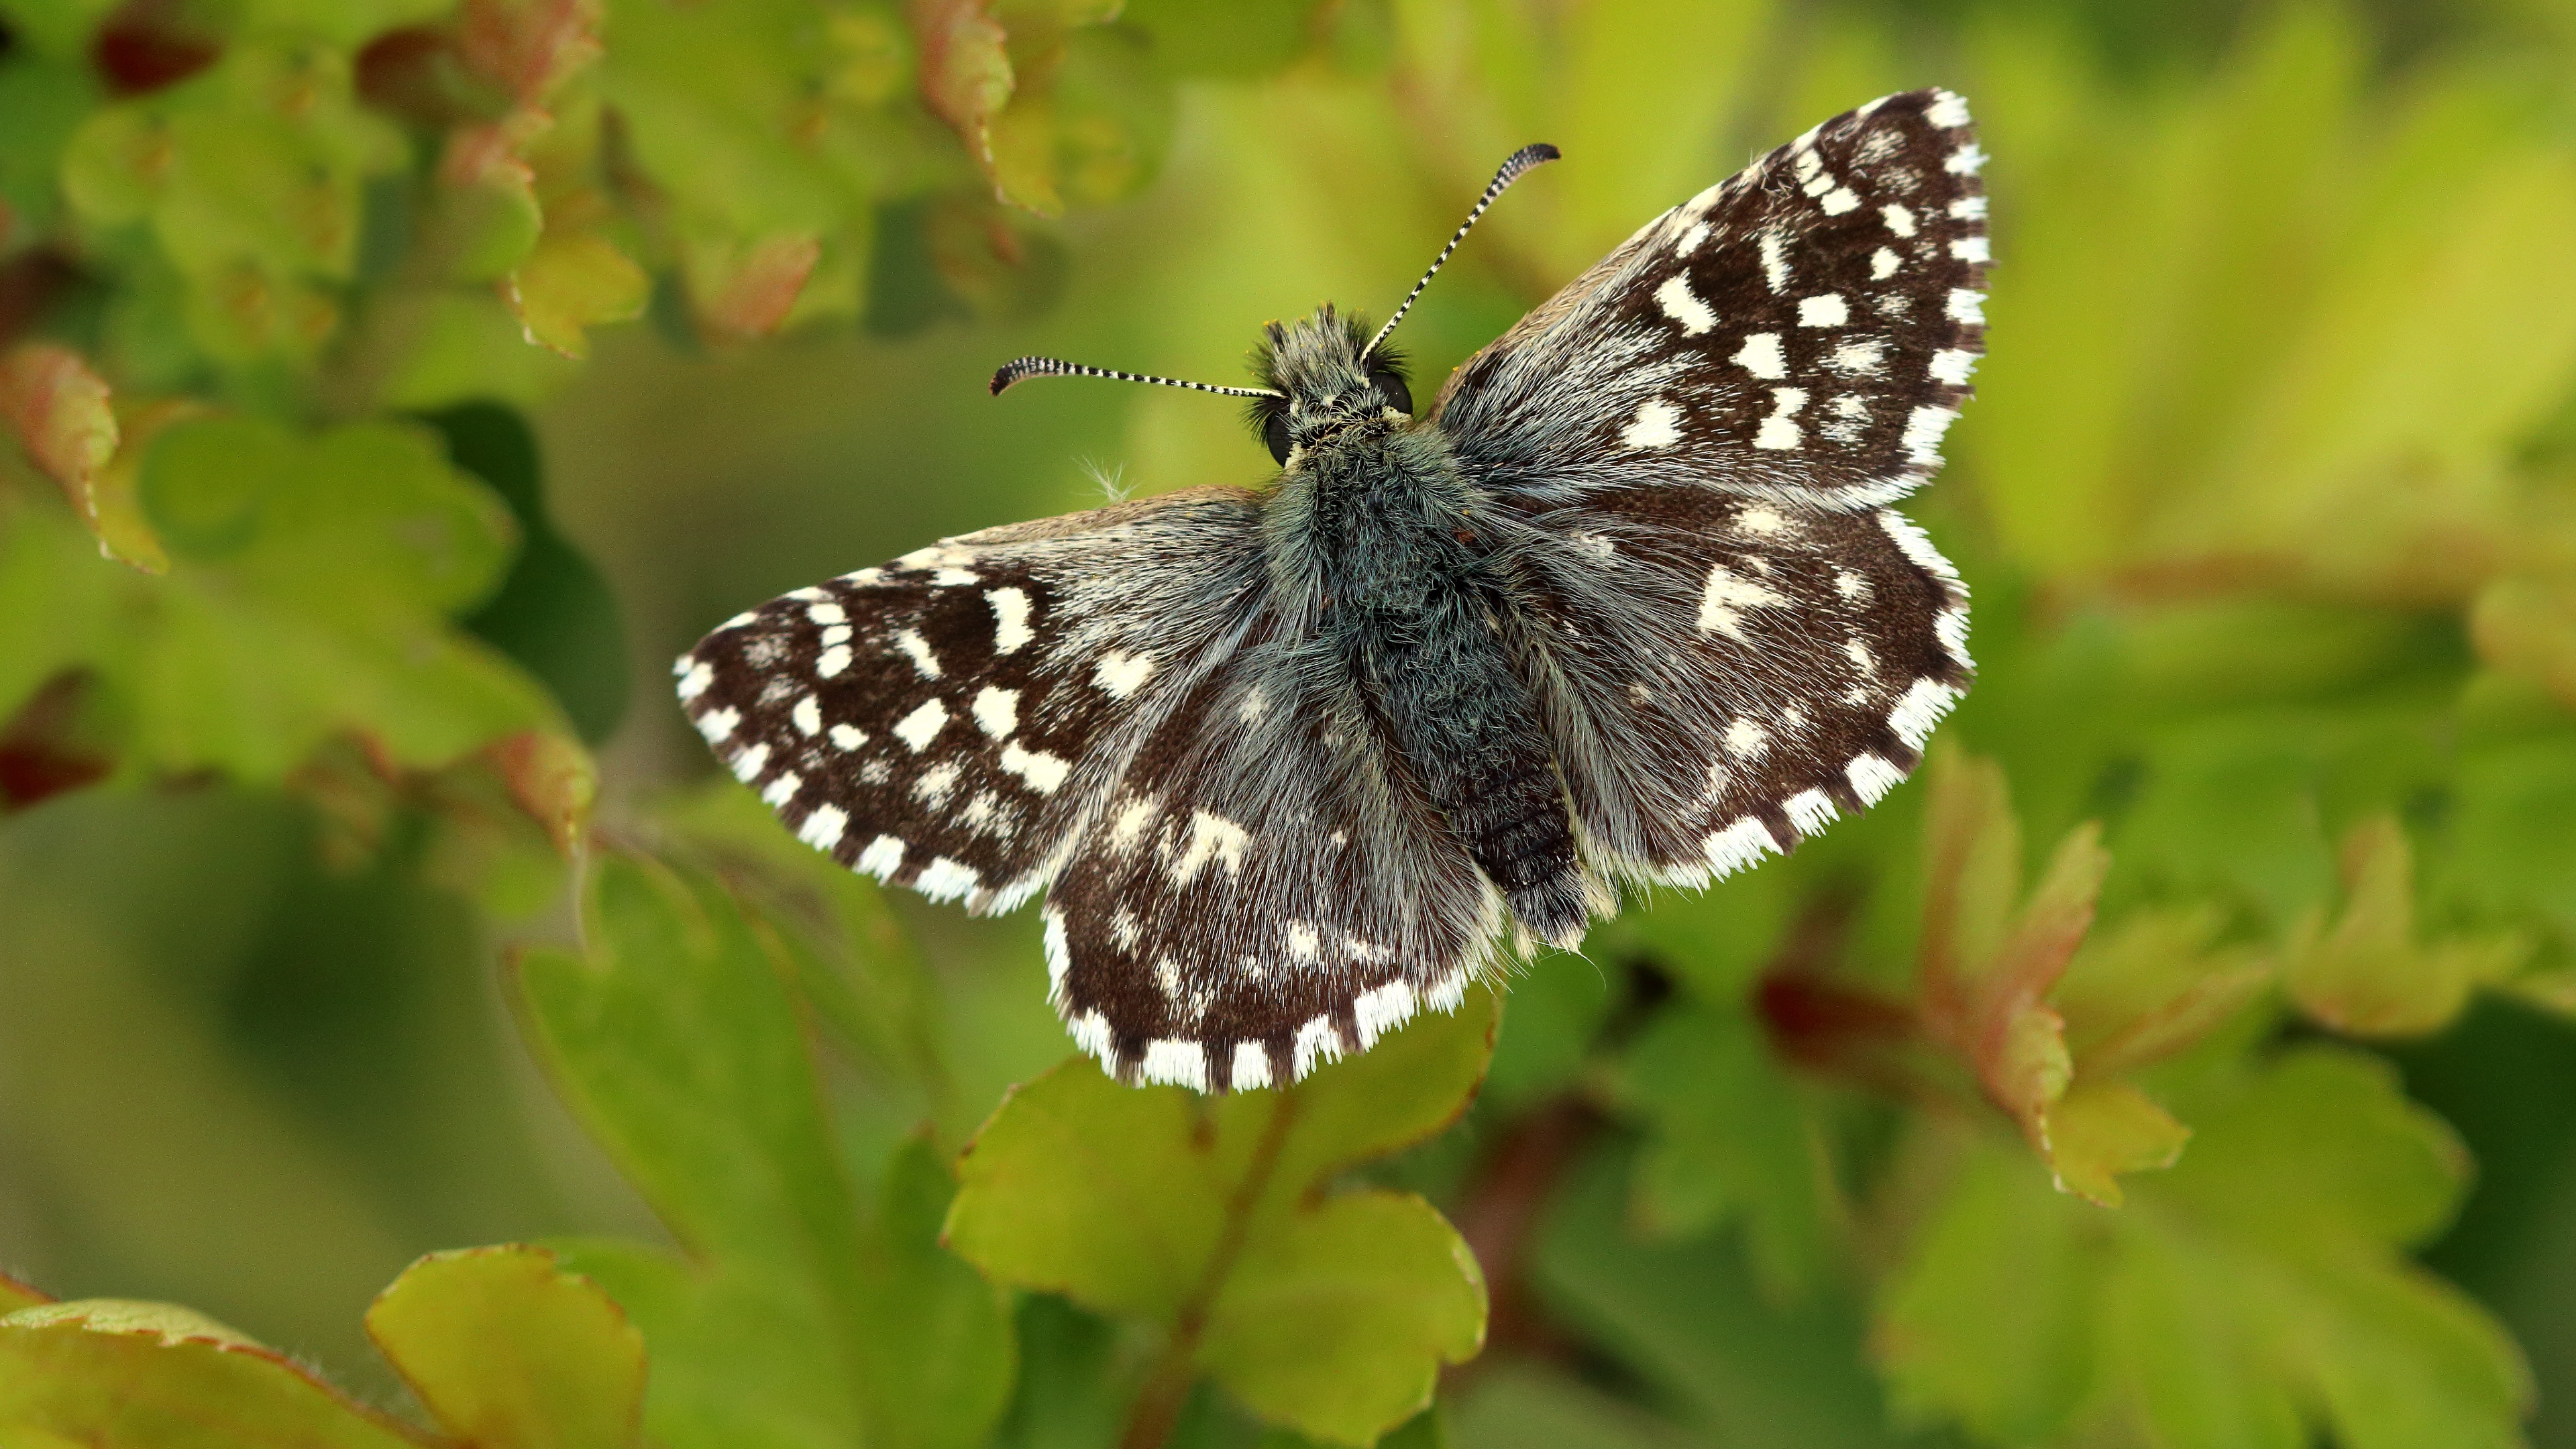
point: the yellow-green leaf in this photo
(509, 1351)
(572, 283)
(2101, 1130)
(125, 1375)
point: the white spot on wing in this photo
(1809, 810)
(1923, 430)
(782, 789)
(848, 737)
(1921, 708)
(1777, 430)
(1952, 365)
(1947, 110)
(1871, 777)
(827, 614)
(1761, 355)
(1044, 772)
(1251, 1067)
(997, 711)
(831, 662)
(917, 649)
(1728, 594)
(748, 765)
(916, 728)
(1382, 1010)
(1691, 239)
(1882, 264)
(1900, 220)
(1675, 297)
(1840, 200)
(695, 676)
(1968, 160)
(822, 829)
(1739, 845)
(1120, 674)
(1177, 1063)
(1212, 838)
(882, 858)
(945, 880)
(1967, 306)
(1826, 310)
(1657, 425)
(1010, 619)
(1765, 520)
(807, 716)
(718, 724)
(1775, 261)
(1745, 738)
(1970, 249)
(1858, 358)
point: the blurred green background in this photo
(2268, 500)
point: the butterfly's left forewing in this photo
(1689, 451)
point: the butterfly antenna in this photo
(1521, 161)
(1023, 367)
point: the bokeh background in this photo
(2268, 500)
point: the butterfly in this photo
(1627, 605)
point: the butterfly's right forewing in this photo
(948, 721)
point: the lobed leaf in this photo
(1208, 1217)
(2256, 1294)
(2370, 975)
(107, 1372)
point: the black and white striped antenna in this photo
(1024, 367)
(1520, 162)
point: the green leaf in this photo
(1328, 1313)
(678, 1036)
(106, 1372)
(1732, 1139)
(2256, 1294)
(508, 1351)
(677, 1039)
(311, 593)
(1735, 1363)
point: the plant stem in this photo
(1167, 1388)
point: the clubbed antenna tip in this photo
(1514, 166)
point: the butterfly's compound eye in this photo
(1275, 433)
(1390, 385)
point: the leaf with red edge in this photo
(530, 46)
(15, 1295)
(552, 778)
(59, 410)
(750, 293)
(109, 1372)
(966, 75)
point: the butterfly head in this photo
(1323, 377)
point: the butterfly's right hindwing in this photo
(948, 720)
